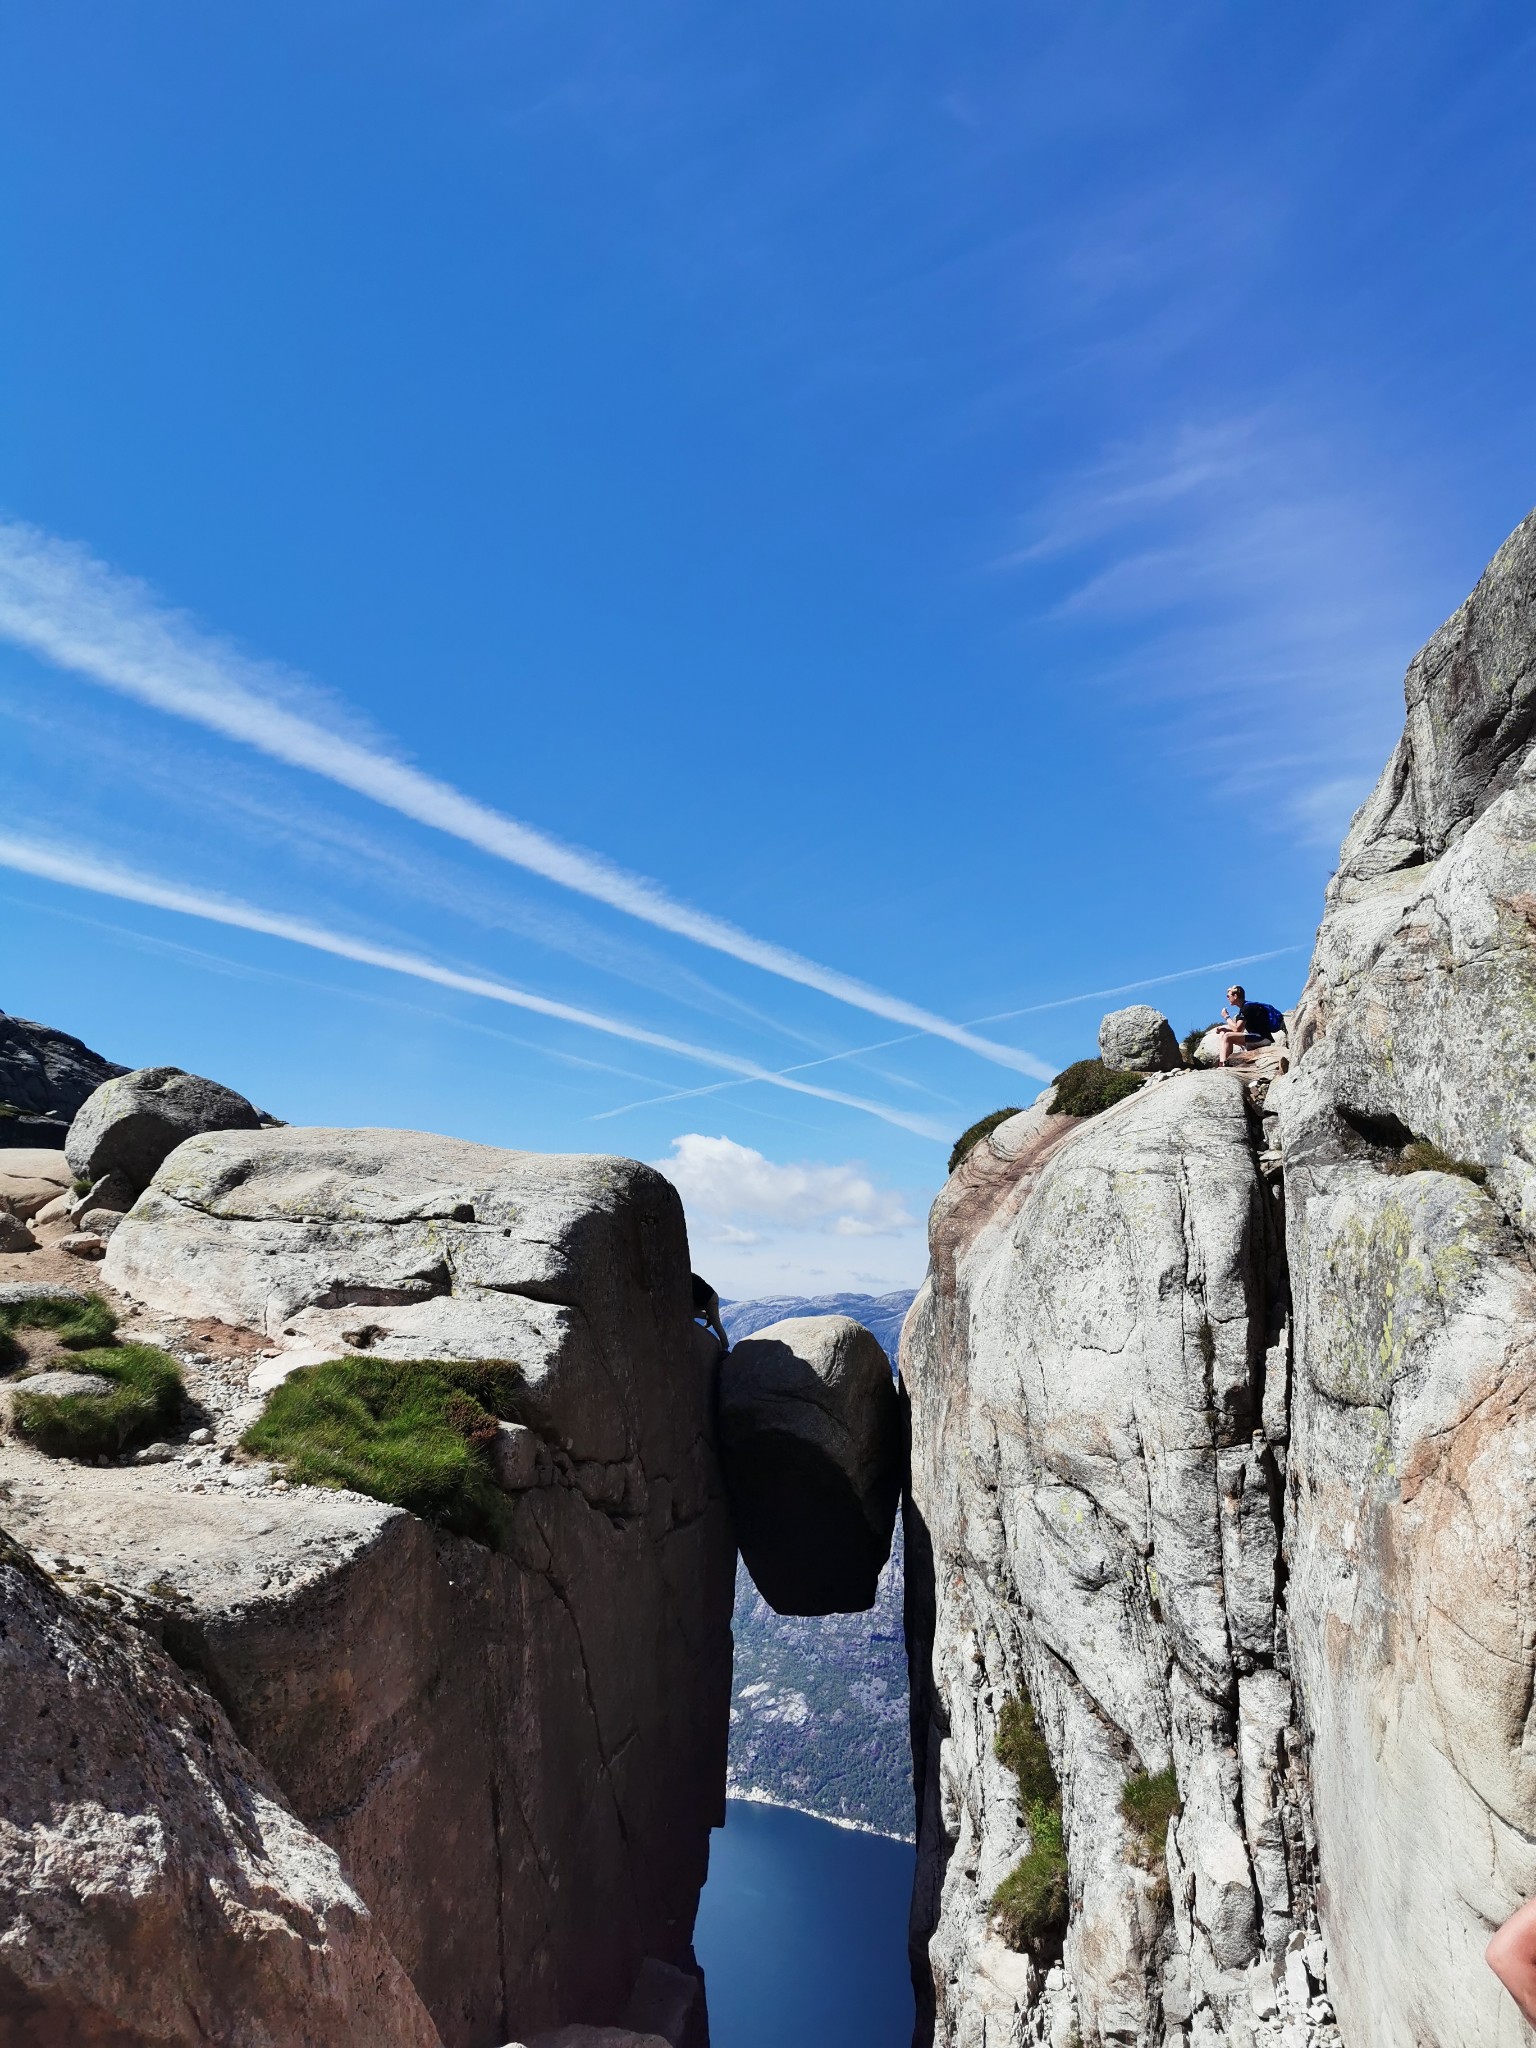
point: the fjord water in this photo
(802, 1933)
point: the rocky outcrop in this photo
(1257, 1506)
(1092, 1529)
(155, 1888)
(517, 1754)
(31, 1178)
(1412, 1509)
(1138, 1040)
(811, 1442)
(129, 1125)
(45, 1075)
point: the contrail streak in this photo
(881, 1045)
(81, 872)
(57, 600)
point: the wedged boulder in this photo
(1093, 1527)
(1138, 1040)
(133, 1122)
(1413, 1412)
(45, 1075)
(811, 1443)
(518, 1754)
(31, 1178)
(156, 1891)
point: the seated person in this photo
(1242, 1028)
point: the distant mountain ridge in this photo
(881, 1313)
(819, 1708)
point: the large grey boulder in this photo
(1413, 1453)
(1138, 1040)
(811, 1441)
(45, 1075)
(1094, 1526)
(156, 1890)
(132, 1123)
(518, 1754)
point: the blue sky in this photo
(795, 541)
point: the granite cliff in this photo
(1219, 1534)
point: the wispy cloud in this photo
(1238, 572)
(81, 871)
(58, 601)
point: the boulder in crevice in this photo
(811, 1440)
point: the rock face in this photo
(132, 1123)
(155, 1888)
(518, 1756)
(811, 1441)
(1413, 1463)
(1138, 1040)
(45, 1075)
(31, 1178)
(1260, 1507)
(1092, 1528)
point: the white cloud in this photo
(807, 1227)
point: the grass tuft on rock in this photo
(1191, 1042)
(1030, 1905)
(978, 1130)
(1148, 1803)
(1088, 1086)
(75, 1324)
(144, 1404)
(1021, 1747)
(1423, 1155)
(413, 1432)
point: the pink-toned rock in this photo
(155, 1890)
(31, 1177)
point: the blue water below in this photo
(802, 1933)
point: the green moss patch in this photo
(1088, 1086)
(416, 1433)
(144, 1404)
(1422, 1155)
(1148, 1803)
(75, 1324)
(1030, 1905)
(978, 1130)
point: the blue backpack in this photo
(1273, 1017)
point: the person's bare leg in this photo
(1511, 1955)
